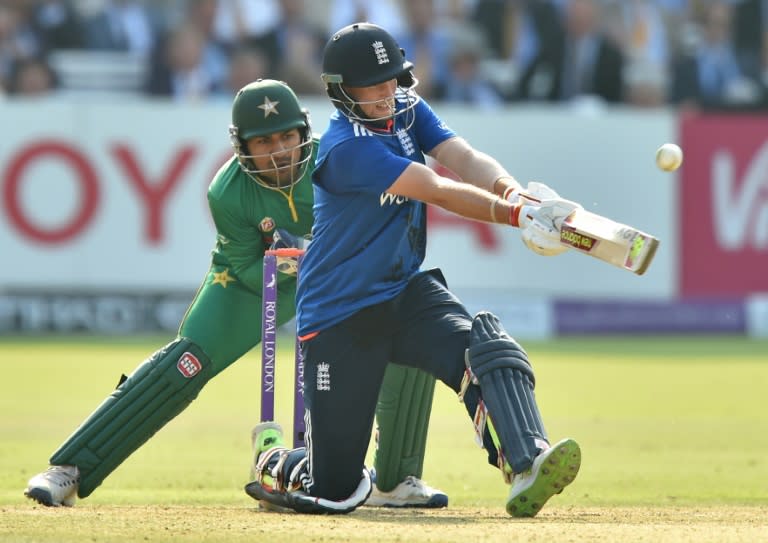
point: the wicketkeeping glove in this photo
(282, 239)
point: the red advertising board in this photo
(724, 202)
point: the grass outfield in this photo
(673, 433)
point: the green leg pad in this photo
(158, 390)
(402, 416)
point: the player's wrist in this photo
(514, 214)
(521, 215)
(512, 194)
(503, 184)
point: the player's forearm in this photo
(474, 203)
(485, 172)
(476, 168)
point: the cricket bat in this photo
(608, 240)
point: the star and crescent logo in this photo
(222, 278)
(269, 107)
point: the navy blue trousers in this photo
(425, 327)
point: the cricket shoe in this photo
(552, 470)
(411, 492)
(266, 439)
(264, 436)
(55, 486)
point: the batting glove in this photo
(540, 225)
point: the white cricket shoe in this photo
(552, 470)
(55, 486)
(412, 492)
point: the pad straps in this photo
(501, 368)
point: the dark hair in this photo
(22, 64)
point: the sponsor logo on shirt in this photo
(392, 199)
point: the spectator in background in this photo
(426, 40)
(748, 25)
(32, 77)
(681, 30)
(246, 22)
(639, 29)
(385, 13)
(299, 45)
(765, 42)
(751, 35)
(237, 21)
(456, 11)
(465, 82)
(57, 24)
(17, 39)
(646, 85)
(714, 75)
(216, 54)
(518, 31)
(178, 70)
(247, 64)
(121, 25)
(581, 62)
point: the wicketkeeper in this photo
(265, 186)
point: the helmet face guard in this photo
(263, 108)
(364, 55)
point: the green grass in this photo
(662, 422)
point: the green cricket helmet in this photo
(363, 55)
(262, 108)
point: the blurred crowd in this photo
(488, 53)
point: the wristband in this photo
(508, 191)
(493, 210)
(499, 178)
(514, 214)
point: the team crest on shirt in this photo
(267, 224)
(406, 143)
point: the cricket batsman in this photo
(264, 187)
(369, 301)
